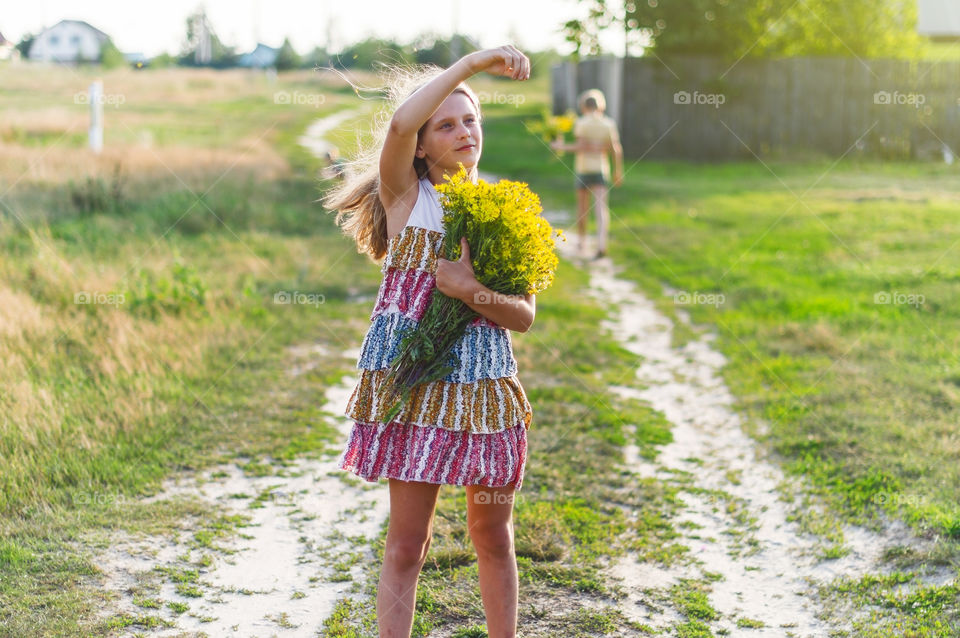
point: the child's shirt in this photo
(595, 128)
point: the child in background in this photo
(336, 166)
(596, 135)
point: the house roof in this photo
(100, 34)
(263, 55)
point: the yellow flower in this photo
(511, 243)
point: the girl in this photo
(470, 427)
(596, 136)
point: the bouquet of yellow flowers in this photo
(551, 127)
(512, 252)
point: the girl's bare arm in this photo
(513, 312)
(456, 279)
(578, 146)
(616, 149)
(397, 175)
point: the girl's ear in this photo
(420, 152)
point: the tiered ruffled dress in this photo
(469, 428)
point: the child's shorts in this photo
(585, 180)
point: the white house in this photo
(939, 19)
(68, 41)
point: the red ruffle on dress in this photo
(469, 428)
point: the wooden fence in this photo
(700, 108)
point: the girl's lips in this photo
(463, 148)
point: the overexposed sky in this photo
(154, 27)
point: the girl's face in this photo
(452, 135)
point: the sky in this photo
(155, 27)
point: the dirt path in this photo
(311, 525)
(307, 536)
(304, 544)
(734, 524)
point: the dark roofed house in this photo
(260, 58)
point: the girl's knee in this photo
(492, 539)
(407, 549)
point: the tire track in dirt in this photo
(308, 535)
(735, 524)
(304, 546)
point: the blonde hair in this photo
(597, 96)
(356, 201)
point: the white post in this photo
(96, 116)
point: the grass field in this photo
(833, 287)
(212, 212)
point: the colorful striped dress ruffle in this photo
(468, 428)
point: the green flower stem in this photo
(424, 350)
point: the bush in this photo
(152, 294)
(97, 196)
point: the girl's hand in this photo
(455, 278)
(506, 61)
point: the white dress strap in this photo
(427, 212)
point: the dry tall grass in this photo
(74, 373)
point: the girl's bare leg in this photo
(490, 521)
(603, 215)
(412, 507)
(583, 210)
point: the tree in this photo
(110, 56)
(864, 28)
(287, 57)
(363, 54)
(763, 28)
(24, 45)
(202, 47)
(162, 61)
(317, 58)
(433, 49)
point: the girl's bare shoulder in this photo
(400, 208)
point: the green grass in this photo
(118, 399)
(859, 395)
(569, 517)
(810, 346)
(212, 273)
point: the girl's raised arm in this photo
(398, 178)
